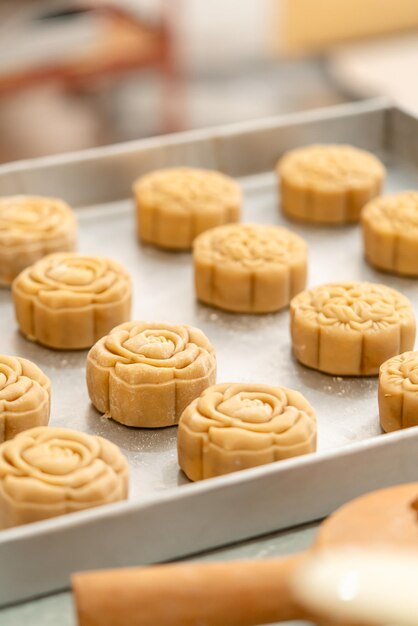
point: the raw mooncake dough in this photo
(328, 184)
(239, 425)
(398, 392)
(30, 228)
(46, 472)
(69, 301)
(145, 373)
(25, 394)
(176, 205)
(350, 328)
(390, 233)
(249, 268)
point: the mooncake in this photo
(350, 329)
(249, 268)
(398, 392)
(235, 426)
(68, 301)
(144, 374)
(175, 205)
(25, 396)
(46, 472)
(328, 184)
(30, 228)
(390, 233)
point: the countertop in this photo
(57, 609)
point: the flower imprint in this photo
(30, 228)
(145, 373)
(398, 392)
(45, 472)
(325, 165)
(25, 394)
(68, 301)
(390, 233)
(236, 426)
(402, 370)
(175, 205)
(350, 328)
(328, 183)
(249, 268)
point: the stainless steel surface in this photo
(168, 517)
(248, 347)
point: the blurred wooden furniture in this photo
(127, 44)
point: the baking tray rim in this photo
(381, 103)
(208, 485)
(173, 494)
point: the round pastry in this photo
(249, 268)
(69, 301)
(328, 184)
(239, 425)
(398, 392)
(30, 228)
(350, 329)
(176, 205)
(390, 233)
(46, 472)
(144, 374)
(25, 396)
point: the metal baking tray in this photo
(167, 517)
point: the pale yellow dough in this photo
(144, 374)
(350, 329)
(25, 394)
(175, 205)
(235, 426)
(46, 472)
(249, 268)
(68, 301)
(390, 233)
(328, 184)
(398, 392)
(30, 228)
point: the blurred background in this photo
(76, 74)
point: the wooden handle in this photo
(240, 593)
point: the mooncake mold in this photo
(30, 228)
(25, 396)
(390, 233)
(398, 392)
(144, 374)
(350, 329)
(68, 301)
(234, 426)
(175, 205)
(328, 184)
(46, 472)
(249, 268)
